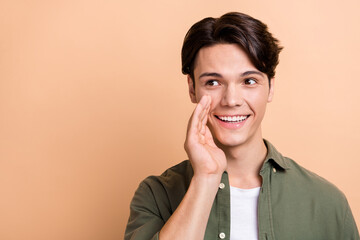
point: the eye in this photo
(212, 83)
(250, 81)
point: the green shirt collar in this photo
(275, 156)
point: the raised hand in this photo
(206, 158)
(209, 162)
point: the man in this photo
(235, 185)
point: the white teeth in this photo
(233, 119)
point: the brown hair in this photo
(249, 33)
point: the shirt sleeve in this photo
(145, 221)
(350, 230)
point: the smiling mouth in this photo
(232, 119)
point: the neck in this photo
(245, 161)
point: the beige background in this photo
(92, 100)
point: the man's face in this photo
(239, 93)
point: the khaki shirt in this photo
(293, 204)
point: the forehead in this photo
(224, 59)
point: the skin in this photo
(225, 73)
(226, 83)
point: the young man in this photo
(235, 185)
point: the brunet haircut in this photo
(238, 28)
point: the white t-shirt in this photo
(243, 202)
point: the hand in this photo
(206, 158)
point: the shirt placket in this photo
(264, 206)
(223, 200)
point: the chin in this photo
(230, 141)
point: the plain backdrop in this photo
(92, 101)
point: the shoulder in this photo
(312, 180)
(304, 199)
(309, 189)
(294, 179)
(167, 190)
(179, 174)
(155, 200)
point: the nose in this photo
(232, 96)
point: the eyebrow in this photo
(247, 73)
(210, 74)
(214, 74)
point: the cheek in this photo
(257, 102)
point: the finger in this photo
(206, 112)
(204, 120)
(204, 116)
(196, 115)
(206, 107)
(209, 139)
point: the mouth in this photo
(232, 119)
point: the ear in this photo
(191, 89)
(271, 90)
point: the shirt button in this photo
(274, 169)
(222, 235)
(221, 185)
